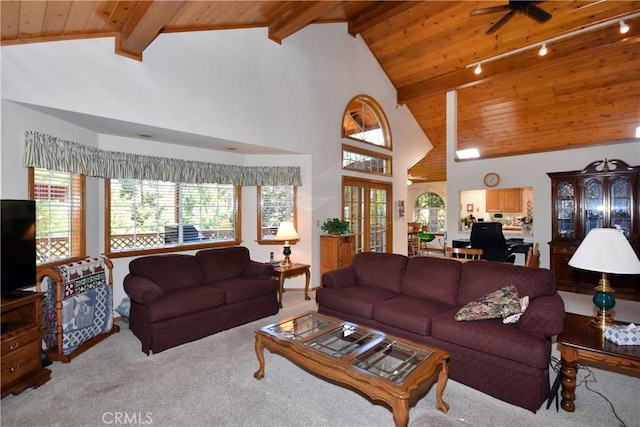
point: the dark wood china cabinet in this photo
(604, 194)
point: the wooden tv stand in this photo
(22, 344)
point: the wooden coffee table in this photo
(581, 342)
(392, 370)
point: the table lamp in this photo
(286, 232)
(605, 250)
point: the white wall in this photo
(235, 85)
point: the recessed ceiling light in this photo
(145, 135)
(469, 153)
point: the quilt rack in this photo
(77, 311)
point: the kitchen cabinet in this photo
(501, 200)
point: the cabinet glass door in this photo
(565, 206)
(593, 205)
(621, 205)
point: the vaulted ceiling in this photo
(585, 91)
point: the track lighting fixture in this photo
(543, 50)
(624, 28)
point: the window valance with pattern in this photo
(50, 152)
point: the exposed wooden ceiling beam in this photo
(558, 51)
(376, 13)
(143, 26)
(299, 15)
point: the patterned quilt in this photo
(87, 304)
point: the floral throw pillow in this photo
(524, 303)
(501, 303)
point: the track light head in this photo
(624, 28)
(543, 50)
(478, 69)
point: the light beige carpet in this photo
(210, 383)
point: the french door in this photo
(367, 206)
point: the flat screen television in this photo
(18, 246)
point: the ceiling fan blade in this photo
(488, 10)
(501, 22)
(537, 14)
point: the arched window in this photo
(364, 120)
(430, 210)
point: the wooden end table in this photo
(581, 342)
(292, 270)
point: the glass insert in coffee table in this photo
(391, 360)
(301, 327)
(342, 341)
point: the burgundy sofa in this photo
(417, 298)
(179, 298)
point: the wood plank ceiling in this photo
(585, 91)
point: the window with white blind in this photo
(154, 215)
(276, 203)
(60, 233)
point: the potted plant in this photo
(335, 226)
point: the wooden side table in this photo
(580, 342)
(293, 270)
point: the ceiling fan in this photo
(528, 8)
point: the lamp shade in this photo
(606, 250)
(286, 231)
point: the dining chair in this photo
(413, 245)
(533, 256)
(423, 241)
(463, 253)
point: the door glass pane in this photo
(354, 212)
(366, 207)
(621, 205)
(593, 205)
(565, 199)
(378, 219)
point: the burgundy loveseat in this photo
(179, 298)
(418, 298)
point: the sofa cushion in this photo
(238, 289)
(380, 270)
(498, 304)
(170, 272)
(223, 263)
(185, 302)
(409, 313)
(432, 278)
(356, 300)
(493, 337)
(481, 278)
